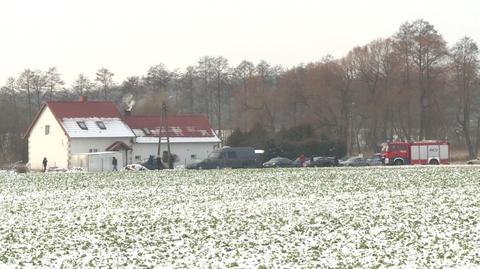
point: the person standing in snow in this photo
(44, 163)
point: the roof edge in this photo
(35, 119)
(30, 127)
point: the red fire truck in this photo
(421, 152)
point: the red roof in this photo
(178, 126)
(77, 109)
(89, 109)
(117, 146)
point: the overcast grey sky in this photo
(127, 37)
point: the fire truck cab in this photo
(421, 152)
(396, 153)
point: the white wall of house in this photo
(186, 152)
(52, 144)
(97, 144)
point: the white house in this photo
(61, 130)
(76, 133)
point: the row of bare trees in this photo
(410, 85)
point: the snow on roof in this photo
(77, 109)
(154, 140)
(178, 126)
(68, 113)
(115, 127)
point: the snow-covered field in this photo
(360, 217)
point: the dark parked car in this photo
(323, 162)
(228, 157)
(209, 163)
(278, 162)
(354, 161)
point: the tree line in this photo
(410, 85)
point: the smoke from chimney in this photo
(129, 102)
(130, 105)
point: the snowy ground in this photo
(360, 217)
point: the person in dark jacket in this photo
(44, 163)
(114, 163)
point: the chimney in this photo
(128, 112)
(83, 98)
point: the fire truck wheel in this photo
(398, 162)
(434, 162)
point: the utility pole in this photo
(159, 150)
(164, 120)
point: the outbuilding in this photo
(191, 137)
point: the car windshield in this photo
(214, 155)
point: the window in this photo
(385, 148)
(232, 155)
(193, 156)
(138, 158)
(82, 125)
(101, 125)
(47, 129)
(92, 150)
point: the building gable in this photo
(47, 139)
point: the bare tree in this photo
(386, 54)
(428, 49)
(53, 80)
(82, 85)
(465, 66)
(204, 70)
(131, 83)
(266, 76)
(220, 74)
(105, 78)
(39, 81)
(188, 83)
(244, 72)
(346, 73)
(25, 82)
